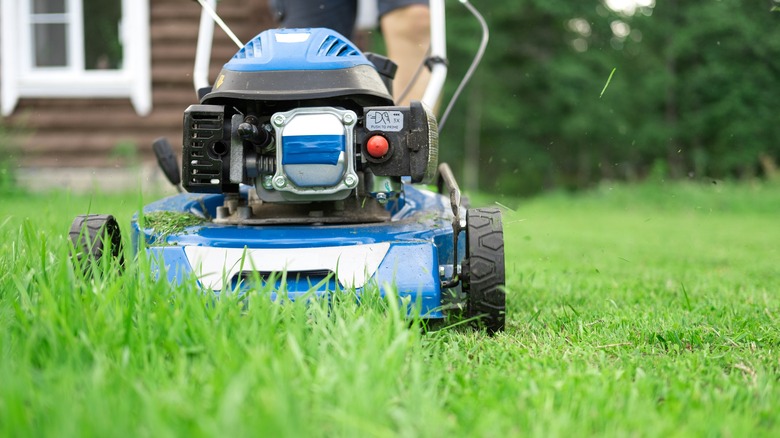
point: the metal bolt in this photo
(279, 181)
(381, 198)
(244, 212)
(350, 181)
(279, 120)
(268, 182)
(348, 118)
(231, 202)
(223, 212)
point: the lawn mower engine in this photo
(308, 121)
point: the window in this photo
(75, 48)
(49, 21)
(56, 42)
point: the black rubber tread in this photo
(91, 234)
(483, 269)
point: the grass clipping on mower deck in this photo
(165, 223)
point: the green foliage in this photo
(126, 152)
(103, 48)
(695, 87)
(649, 310)
(7, 176)
(7, 161)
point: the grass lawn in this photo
(632, 311)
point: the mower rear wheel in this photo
(92, 236)
(483, 272)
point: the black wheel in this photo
(483, 275)
(92, 235)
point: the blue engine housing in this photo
(297, 49)
(276, 65)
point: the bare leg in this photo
(407, 34)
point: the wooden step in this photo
(187, 30)
(113, 143)
(178, 75)
(174, 10)
(173, 97)
(173, 53)
(85, 160)
(96, 120)
(232, 10)
(177, 32)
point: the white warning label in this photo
(389, 121)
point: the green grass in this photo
(165, 223)
(633, 311)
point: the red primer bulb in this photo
(377, 146)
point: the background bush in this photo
(694, 93)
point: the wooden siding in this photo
(101, 132)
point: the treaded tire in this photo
(483, 269)
(91, 235)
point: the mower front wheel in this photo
(483, 272)
(95, 236)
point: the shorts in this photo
(338, 15)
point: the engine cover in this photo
(315, 154)
(299, 64)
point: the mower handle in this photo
(437, 61)
(200, 73)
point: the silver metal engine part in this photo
(315, 156)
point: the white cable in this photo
(474, 63)
(207, 7)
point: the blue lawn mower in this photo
(298, 165)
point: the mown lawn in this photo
(633, 311)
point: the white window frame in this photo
(21, 79)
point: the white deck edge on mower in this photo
(200, 74)
(352, 265)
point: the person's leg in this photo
(406, 30)
(338, 15)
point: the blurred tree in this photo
(695, 91)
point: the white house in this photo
(93, 81)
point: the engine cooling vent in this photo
(333, 46)
(203, 165)
(293, 50)
(252, 49)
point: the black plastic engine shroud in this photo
(207, 141)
